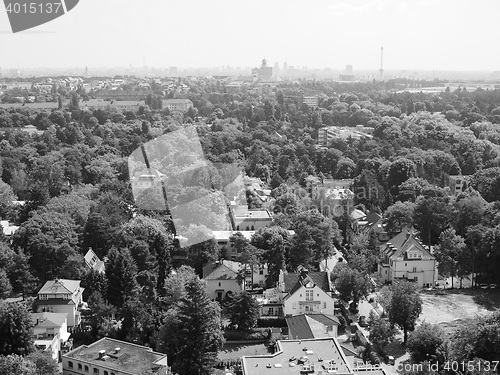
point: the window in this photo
(270, 311)
(406, 264)
(105, 373)
(219, 284)
(80, 366)
(96, 370)
(309, 295)
(70, 364)
(261, 272)
(44, 296)
(415, 278)
(324, 305)
(414, 269)
(294, 305)
(86, 368)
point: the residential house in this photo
(310, 326)
(61, 296)
(114, 357)
(404, 257)
(177, 104)
(250, 219)
(321, 356)
(306, 292)
(7, 229)
(369, 223)
(50, 332)
(222, 279)
(457, 183)
(93, 262)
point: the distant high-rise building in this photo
(276, 71)
(285, 66)
(86, 71)
(264, 72)
(173, 70)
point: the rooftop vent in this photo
(117, 350)
(102, 353)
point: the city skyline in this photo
(435, 35)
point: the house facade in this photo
(61, 296)
(50, 333)
(306, 292)
(404, 257)
(222, 279)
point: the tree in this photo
(48, 239)
(121, 272)
(17, 365)
(100, 313)
(449, 251)
(351, 284)
(44, 363)
(425, 341)
(275, 243)
(243, 311)
(405, 306)
(5, 287)
(16, 329)
(399, 171)
(398, 217)
(381, 331)
(432, 216)
(192, 334)
(247, 254)
(6, 197)
(477, 338)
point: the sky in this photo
(436, 35)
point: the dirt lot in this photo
(451, 306)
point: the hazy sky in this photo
(416, 34)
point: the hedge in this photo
(271, 321)
(254, 334)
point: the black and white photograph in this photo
(235, 187)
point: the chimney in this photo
(117, 350)
(102, 353)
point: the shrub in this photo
(361, 339)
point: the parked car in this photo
(390, 360)
(493, 286)
(363, 322)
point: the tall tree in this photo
(44, 363)
(16, 329)
(425, 341)
(405, 306)
(381, 331)
(243, 311)
(192, 334)
(121, 272)
(399, 216)
(15, 364)
(351, 284)
(450, 250)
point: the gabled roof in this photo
(310, 326)
(48, 320)
(293, 281)
(60, 286)
(226, 270)
(371, 219)
(405, 241)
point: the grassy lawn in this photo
(235, 351)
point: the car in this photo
(363, 322)
(390, 360)
(493, 286)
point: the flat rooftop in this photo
(298, 356)
(131, 358)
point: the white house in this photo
(222, 279)
(93, 262)
(404, 257)
(306, 292)
(61, 296)
(50, 332)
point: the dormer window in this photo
(44, 296)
